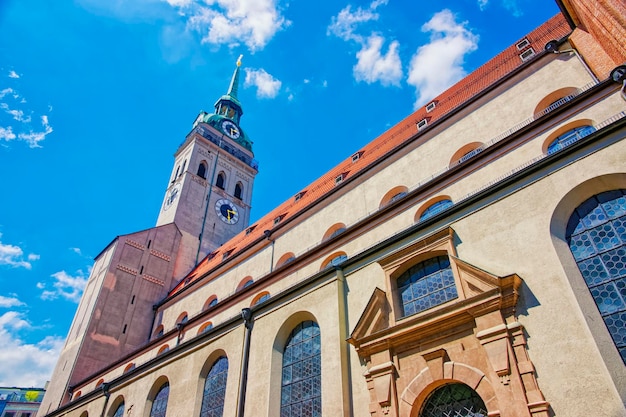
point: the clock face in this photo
(171, 196)
(226, 211)
(231, 129)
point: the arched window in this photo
(159, 405)
(210, 302)
(99, 383)
(205, 327)
(202, 170)
(183, 318)
(435, 208)
(334, 230)
(129, 367)
(176, 175)
(456, 400)
(182, 171)
(392, 195)
(259, 298)
(285, 259)
(334, 259)
(570, 137)
(596, 234)
(119, 411)
(426, 285)
(215, 389)
(159, 331)
(221, 179)
(238, 190)
(301, 389)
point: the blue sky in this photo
(96, 95)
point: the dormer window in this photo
(250, 229)
(298, 196)
(279, 218)
(356, 156)
(527, 54)
(339, 178)
(431, 106)
(522, 44)
(422, 124)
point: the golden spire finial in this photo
(239, 60)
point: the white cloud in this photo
(65, 286)
(33, 138)
(76, 251)
(233, 22)
(345, 23)
(13, 74)
(439, 64)
(267, 86)
(31, 363)
(8, 302)
(372, 66)
(482, 4)
(7, 133)
(14, 256)
(25, 132)
(5, 92)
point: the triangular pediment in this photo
(475, 281)
(375, 317)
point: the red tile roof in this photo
(472, 85)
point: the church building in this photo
(470, 261)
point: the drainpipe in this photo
(248, 321)
(105, 390)
(208, 198)
(342, 319)
(267, 234)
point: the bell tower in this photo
(209, 192)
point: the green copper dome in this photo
(228, 112)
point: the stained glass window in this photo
(596, 234)
(426, 285)
(570, 137)
(215, 389)
(454, 400)
(159, 405)
(435, 208)
(119, 412)
(301, 393)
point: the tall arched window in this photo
(456, 400)
(426, 285)
(301, 392)
(435, 208)
(570, 137)
(221, 179)
(119, 411)
(182, 171)
(238, 190)
(159, 405)
(596, 234)
(202, 170)
(215, 389)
